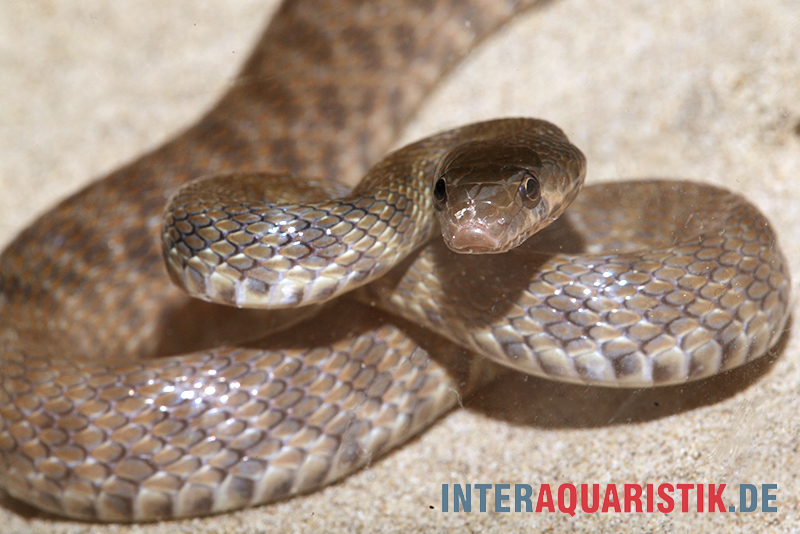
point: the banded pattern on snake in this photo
(84, 446)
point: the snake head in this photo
(490, 196)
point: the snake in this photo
(318, 326)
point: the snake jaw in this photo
(474, 238)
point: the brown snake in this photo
(656, 290)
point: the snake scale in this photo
(123, 399)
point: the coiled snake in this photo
(655, 291)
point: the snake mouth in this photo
(475, 238)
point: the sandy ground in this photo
(703, 90)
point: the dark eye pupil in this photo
(532, 188)
(530, 191)
(439, 191)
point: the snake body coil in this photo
(101, 419)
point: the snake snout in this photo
(483, 225)
(474, 238)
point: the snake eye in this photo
(530, 191)
(440, 192)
